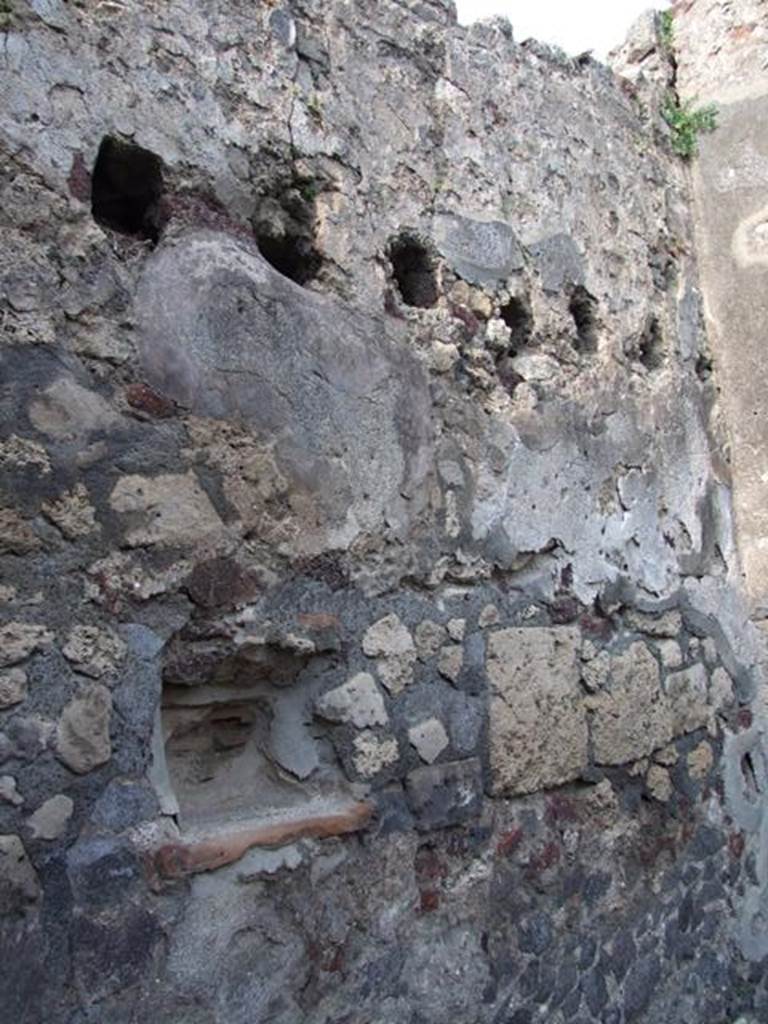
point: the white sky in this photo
(574, 25)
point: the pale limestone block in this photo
(700, 761)
(8, 791)
(450, 662)
(659, 783)
(50, 819)
(82, 735)
(358, 702)
(456, 629)
(671, 655)
(489, 616)
(72, 513)
(429, 738)
(171, 509)
(687, 696)
(373, 754)
(429, 637)
(18, 640)
(93, 650)
(538, 722)
(13, 687)
(631, 718)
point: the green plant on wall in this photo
(667, 29)
(6, 14)
(686, 124)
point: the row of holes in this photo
(126, 194)
(414, 272)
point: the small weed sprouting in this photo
(6, 14)
(315, 108)
(308, 191)
(686, 124)
(667, 30)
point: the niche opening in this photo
(583, 309)
(414, 272)
(292, 255)
(236, 742)
(517, 315)
(126, 189)
(650, 348)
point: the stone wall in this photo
(372, 644)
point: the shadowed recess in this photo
(516, 314)
(651, 347)
(291, 255)
(414, 272)
(583, 309)
(126, 189)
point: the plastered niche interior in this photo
(235, 741)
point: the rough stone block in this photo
(631, 718)
(20, 639)
(82, 737)
(538, 723)
(16, 535)
(168, 509)
(13, 687)
(687, 696)
(668, 624)
(373, 753)
(391, 643)
(358, 701)
(18, 879)
(8, 791)
(50, 819)
(387, 637)
(659, 783)
(93, 651)
(450, 662)
(481, 252)
(72, 513)
(429, 738)
(429, 637)
(559, 261)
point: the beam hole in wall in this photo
(583, 308)
(238, 743)
(292, 255)
(517, 315)
(414, 271)
(285, 226)
(126, 189)
(650, 349)
(704, 367)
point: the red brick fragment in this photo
(79, 179)
(145, 399)
(176, 860)
(736, 844)
(318, 621)
(509, 841)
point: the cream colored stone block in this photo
(538, 722)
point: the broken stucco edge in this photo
(207, 853)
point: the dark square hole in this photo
(126, 189)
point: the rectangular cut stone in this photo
(538, 722)
(631, 718)
(687, 696)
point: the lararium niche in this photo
(237, 750)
